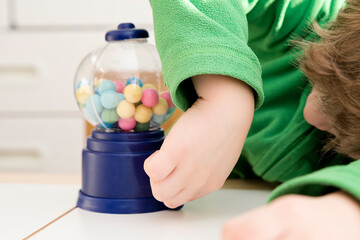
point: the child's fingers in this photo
(163, 195)
(159, 165)
(182, 197)
(171, 185)
(192, 188)
(200, 194)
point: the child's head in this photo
(333, 67)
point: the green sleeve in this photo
(196, 37)
(343, 177)
(281, 145)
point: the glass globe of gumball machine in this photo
(120, 91)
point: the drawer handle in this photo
(12, 159)
(19, 75)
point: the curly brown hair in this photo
(332, 65)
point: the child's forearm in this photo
(230, 98)
(220, 87)
(333, 216)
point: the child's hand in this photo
(333, 216)
(205, 143)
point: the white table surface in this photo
(25, 208)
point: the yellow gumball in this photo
(125, 109)
(148, 85)
(82, 94)
(161, 107)
(142, 114)
(133, 93)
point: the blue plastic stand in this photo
(113, 178)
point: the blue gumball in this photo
(120, 97)
(134, 80)
(169, 113)
(158, 119)
(90, 114)
(93, 106)
(105, 125)
(96, 90)
(94, 102)
(105, 86)
(109, 99)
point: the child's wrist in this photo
(229, 100)
(222, 89)
(344, 197)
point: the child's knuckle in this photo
(172, 203)
(157, 195)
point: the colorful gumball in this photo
(148, 85)
(119, 86)
(120, 97)
(127, 123)
(93, 108)
(167, 97)
(150, 97)
(125, 109)
(134, 80)
(96, 90)
(142, 114)
(109, 115)
(94, 103)
(104, 124)
(158, 119)
(142, 127)
(105, 86)
(90, 114)
(170, 112)
(109, 99)
(161, 107)
(133, 93)
(83, 93)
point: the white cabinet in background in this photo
(80, 12)
(41, 145)
(37, 69)
(4, 21)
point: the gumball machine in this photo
(120, 91)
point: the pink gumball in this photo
(127, 123)
(119, 86)
(150, 97)
(167, 97)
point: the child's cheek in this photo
(313, 115)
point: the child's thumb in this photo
(158, 166)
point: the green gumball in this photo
(142, 127)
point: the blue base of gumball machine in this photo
(113, 178)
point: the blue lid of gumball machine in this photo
(126, 31)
